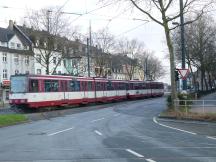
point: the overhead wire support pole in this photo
(90, 48)
(182, 42)
(88, 57)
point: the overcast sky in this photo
(121, 24)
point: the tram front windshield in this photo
(18, 84)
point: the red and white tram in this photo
(36, 91)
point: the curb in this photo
(184, 119)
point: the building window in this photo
(16, 59)
(59, 72)
(38, 71)
(54, 60)
(27, 60)
(18, 46)
(64, 62)
(37, 43)
(4, 57)
(4, 73)
(38, 58)
(16, 72)
(12, 45)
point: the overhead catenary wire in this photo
(132, 29)
(96, 9)
(116, 16)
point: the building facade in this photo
(16, 57)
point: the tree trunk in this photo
(202, 79)
(206, 83)
(210, 80)
(172, 65)
(47, 69)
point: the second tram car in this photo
(37, 91)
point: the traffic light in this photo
(176, 75)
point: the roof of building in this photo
(22, 36)
(22, 52)
(6, 34)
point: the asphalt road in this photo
(124, 132)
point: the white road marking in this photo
(214, 138)
(97, 120)
(99, 133)
(134, 153)
(51, 134)
(150, 160)
(154, 119)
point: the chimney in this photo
(11, 24)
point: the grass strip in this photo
(190, 115)
(11, 119)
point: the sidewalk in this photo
(205, 104)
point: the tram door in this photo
(84, 86)
(64, 89)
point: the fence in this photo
(4, 104)
(198, 106)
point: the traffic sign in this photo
(184, 73)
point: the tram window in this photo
(89, 86)
(121, 86)
(127, 86)
(136, 86)
(51, 85)
(83, 86)
(140, 85)
(104, 86)
(74, 85)
(109, 86)
(144, 86)
(98, 86)
(33, 86)
(131, 86)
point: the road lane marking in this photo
(150, 160)
(51, 134)
(134, 153)
(99, 133)
(214, 138)
(154, 119)
(97, 120)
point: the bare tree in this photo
(200, 48)
(131, 49)
(163, 12)
(104, 42)
(50, 31)
(151, 65)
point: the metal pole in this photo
(146, 68)
(203, 106)
(182, 42)
(88, 57)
